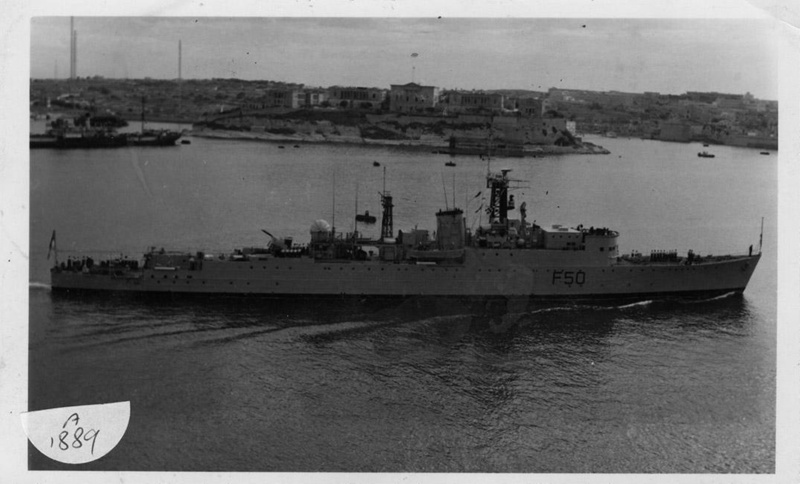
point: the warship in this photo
(504, 258)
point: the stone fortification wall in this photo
(523, 130)
(399, 128)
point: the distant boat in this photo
(296, 146)
(375, 163)
(63, 133)
(74, 138)
(705, 145)
(705, 154)
(450, 163)
(281, 146)
(765, 152)
(153, 138)
(186, 142)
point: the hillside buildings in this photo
(356, 97)
(520, 115)
(472, 102)
(413, 98)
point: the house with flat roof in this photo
(472, 102)
(413, 98)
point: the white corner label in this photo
(76, 435)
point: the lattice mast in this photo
(387, 224)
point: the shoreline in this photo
(436, 145)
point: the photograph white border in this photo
(15, 29)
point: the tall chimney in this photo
(75, 56)
(72, 48)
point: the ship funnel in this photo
(450, 229)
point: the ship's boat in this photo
(705, 154)
(506, 258)
(366, 218)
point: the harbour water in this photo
(418, 385)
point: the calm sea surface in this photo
(417, 385)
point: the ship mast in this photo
(355, 229)
(333, 207)
(387, 225)
(444, 191)
(454, 190)
(500, 202)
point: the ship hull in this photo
(601, 299)
(88, 142)
(107, 141)
(484, 274)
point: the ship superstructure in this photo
(503, 258)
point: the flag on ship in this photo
(52, 246)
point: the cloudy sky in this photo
(633, 55)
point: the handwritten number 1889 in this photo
(78, 437)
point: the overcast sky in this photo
(667, 56)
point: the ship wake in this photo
(711, 299)
(592, 307)
(636, 304)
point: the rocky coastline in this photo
(433, 143)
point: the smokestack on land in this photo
(73, 49)
(180, 64)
